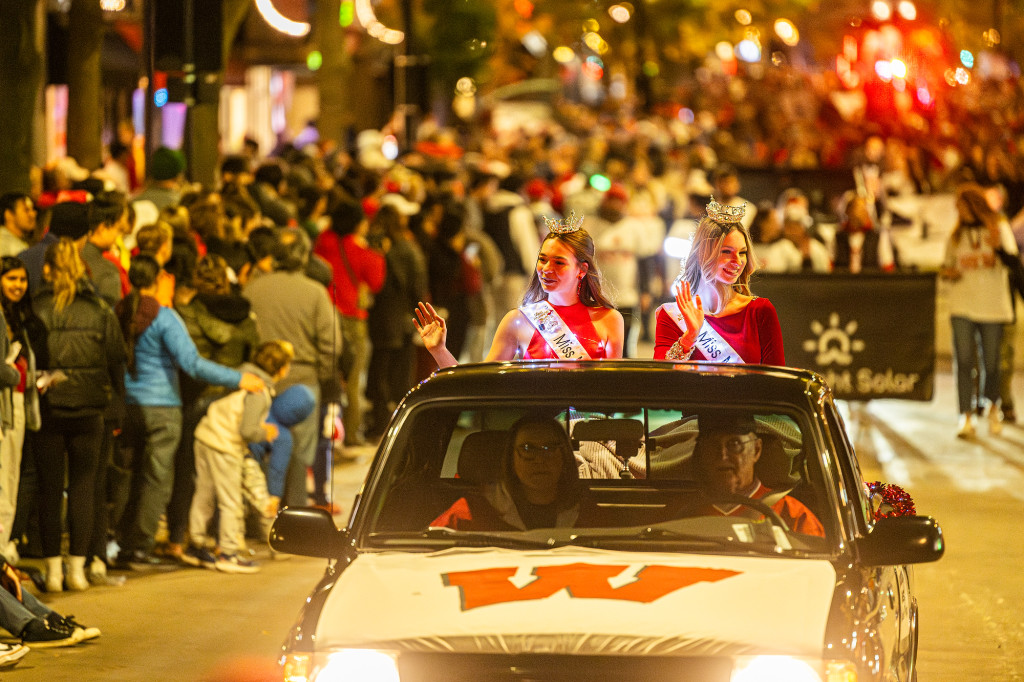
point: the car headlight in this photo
(791, 669)
(344, 665)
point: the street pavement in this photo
(194, 624)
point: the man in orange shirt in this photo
(727, 449)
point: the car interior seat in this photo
(482, 456)
(605, 447)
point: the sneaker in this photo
(68, 622)
(41, 634)
(966, 426)
(10, 654)
(232, 563)
(198, 556)
(995, 420)
(137, 560)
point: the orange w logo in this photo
(582, 581)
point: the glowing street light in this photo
(881, 10)
(367, 17)
(787, 32)
(280, 22)
(907, 10)
(619, 13)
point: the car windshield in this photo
(693, 478)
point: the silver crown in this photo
(726, 214)
(571, 223)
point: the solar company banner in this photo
(870, 336)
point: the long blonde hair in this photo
(703, 258)
(64, 271)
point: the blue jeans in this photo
(967, 335)
(153, 434)
(304, 436)
(15, 615)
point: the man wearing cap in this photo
(165, 169)
(19, 223)
(726, 451)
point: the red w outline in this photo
(582, 581)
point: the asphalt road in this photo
(192, 624)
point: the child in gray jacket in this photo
(221, 445)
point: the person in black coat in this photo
(86, 358)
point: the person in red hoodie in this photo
(359, 272)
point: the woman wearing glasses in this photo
(538, 487)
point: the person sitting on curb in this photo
(36, 624)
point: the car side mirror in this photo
(902, 540)
(306, 531)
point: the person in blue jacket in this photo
(289, 408)
(158, 347)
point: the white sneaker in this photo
(966, 426)
(10, 654)
(995, 420)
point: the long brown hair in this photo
(64, 271)
(973, 210)
(582, 246)
(707, 246)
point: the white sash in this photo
(709, 342)
(554, 330)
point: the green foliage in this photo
(461, 38)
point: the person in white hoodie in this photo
(221, 445)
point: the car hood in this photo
(579, 601)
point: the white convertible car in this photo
(613, 520)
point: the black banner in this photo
(870, 336)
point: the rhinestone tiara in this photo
(571, 223)
(726, 214)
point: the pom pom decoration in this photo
(895, 501)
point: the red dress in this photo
(577, 317)
(753, 332)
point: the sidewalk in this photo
(912, 442)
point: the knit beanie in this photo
(166, 164)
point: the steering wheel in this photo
(756, 505)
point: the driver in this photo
(539, 486)
(726, 451)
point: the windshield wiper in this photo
(656, 533)
(507, 539)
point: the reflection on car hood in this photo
(580, 601)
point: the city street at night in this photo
(191, 624)
(606, 276)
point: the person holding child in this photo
(221, 445)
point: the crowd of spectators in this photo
(132, 304)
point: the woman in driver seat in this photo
(538, 486)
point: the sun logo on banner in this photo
(835, 344)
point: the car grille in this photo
(438, 667)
